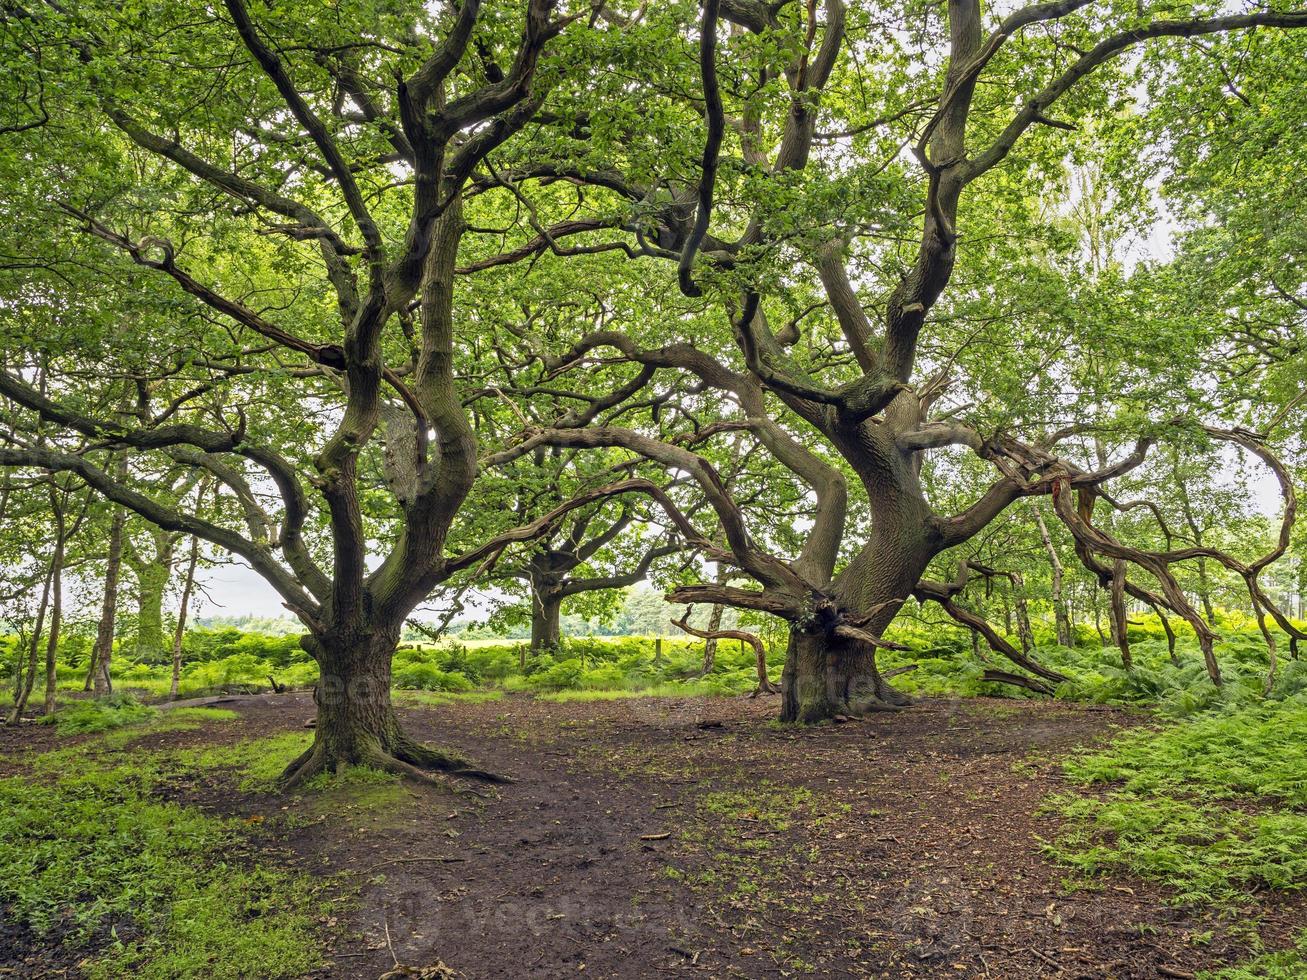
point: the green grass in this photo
(435, 698)
(673, 689)
(255, 763)
(89, 852)
(81, 717)
(1214, 809)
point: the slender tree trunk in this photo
(1060, 616)
(102, 655)
(1024, 632)
(1120, 633)
(710, 644)
(179, 634)
(56, 624)
(1205, 592)
(28, 680)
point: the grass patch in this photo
(769, 804)
(175, 892)
(706, 688)
(1212, 808)
(434, 698)
(257, 762)
(565, 696)
(101, 715)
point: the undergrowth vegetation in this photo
(939, 663)
(1214, 809)
(151, 888)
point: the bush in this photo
(429, 677)
(115, 711)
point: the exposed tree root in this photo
(408, 759)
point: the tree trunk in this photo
(356, 722)
(546, 615)
(151, 580)
(102, 654)
(1120, 633)
(56, 623)
(179, 634)
(827, 674)
(710, 644)
(1024, 632)
(1060, 616)
(28, 680)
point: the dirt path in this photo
(652, 837)
(902, 846)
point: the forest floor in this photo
(648, 837)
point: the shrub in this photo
(429, 677)
(115, 711)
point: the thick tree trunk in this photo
(546, 616)
(356, 722)
(151, 580)
(828, 675)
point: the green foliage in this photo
(1260, 751)
(1287, 964)
(255, 762)
(168, 890)
(100, 715)
(1172, 814)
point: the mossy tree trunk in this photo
(356, 723)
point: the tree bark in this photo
(179, 634)
(151, 581)
(356, 722)
(1060, 616)
(546, 618)
(56, 624)
(102, 654)
(710, 644)
(1024, 632)
(28, 678)
(827, 674)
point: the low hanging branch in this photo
(765, 686)
(944, 593)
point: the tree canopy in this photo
(820, 293)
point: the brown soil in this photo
(649, 837)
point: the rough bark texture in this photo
(710, 644)
(827, 674)
(151, 580)
(356, 723)
(546, 617)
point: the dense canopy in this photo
(812, 310)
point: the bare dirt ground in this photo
(651, 837)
